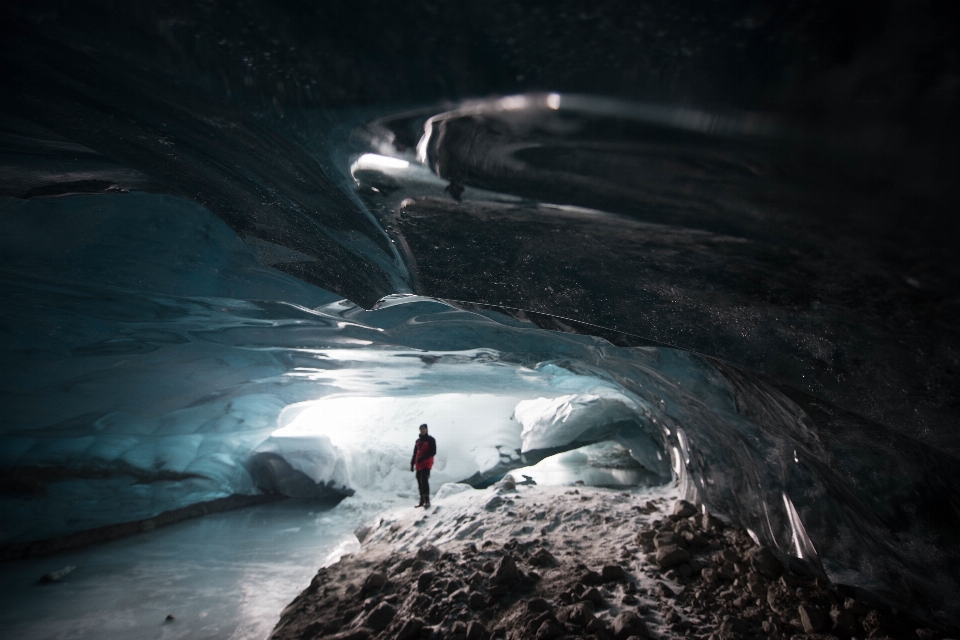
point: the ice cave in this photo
(701, 249)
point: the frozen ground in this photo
(224, 576)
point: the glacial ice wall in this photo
(125, 395)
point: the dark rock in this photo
(671, 556)
(493, 503)
(591, 578)
(381, 616)
(708, 523)
(411, 629)
(593, 596)
(598, 628)
(665, 591)
(685, 570)
(694, 540)
(402, 566)
(628, 624)
(613, 573)
(169, 618)
(543, 558)
(729, 555)
(353, 634)
(858, 608)
(428, 553)
(670, 540)
(684, 509)
(727, 571)
(578, 615)
(646, 536)
(732, 624)
(506, 573)
(488, 567)
(765, 562)
(425, 580)
(476, 631)
(812, 618)
(477, 602)
(844, 622)
(549, 630)
(374, 581)
(874, 624)
(538, 605)
(629, 599)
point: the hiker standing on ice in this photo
(422, 462)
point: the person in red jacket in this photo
(422, 462)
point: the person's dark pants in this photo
(423, 481)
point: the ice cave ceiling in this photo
(783, 222)
(772, 188)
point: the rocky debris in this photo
(587, 563)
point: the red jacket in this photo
(423, 452)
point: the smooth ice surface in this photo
(223, 577)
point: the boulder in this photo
(765, 562)
(374, 581)
(538, 605)
(476, 601)
(733, 625)
(425, 580)
(411, 629)
(812, 618)
(381, 617)
(671, 556)
(593, 596)
(506, 572)
(844, 622)
(591, 579)
(549, 630)
(543, 558)
(670, 539)
(578, 615)
(476, 631)
(613, 573)
(874, 624)
(628, 624)
(493, 503)
(684, 509)
(428, 553)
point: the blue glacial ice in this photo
(148, 371)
